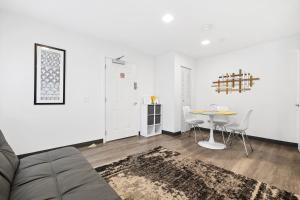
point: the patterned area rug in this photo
(161, 174)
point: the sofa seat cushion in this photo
(60, 174)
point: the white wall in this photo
(164, 89)
(273, 97)
(168, 87)
(31, 128)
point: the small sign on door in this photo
(122, 75)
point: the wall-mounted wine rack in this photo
(234, 82)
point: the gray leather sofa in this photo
(62, 174)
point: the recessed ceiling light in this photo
(167, 18)
(207, 27)
(205, 42)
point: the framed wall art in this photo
(49, 75)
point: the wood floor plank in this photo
(275, 164)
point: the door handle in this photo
(135, 103)
(298, 105)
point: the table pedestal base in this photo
(212, 145)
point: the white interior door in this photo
(185, 93)
(121, 101)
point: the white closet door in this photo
(121, 102)
(185, 93)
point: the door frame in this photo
(298, 98)
(108, 60)
(105, 100)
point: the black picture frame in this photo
(36, 101)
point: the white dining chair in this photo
(191, 120)
(220, 121)
(239, 129)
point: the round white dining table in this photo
(211, 143)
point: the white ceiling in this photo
(137, 23)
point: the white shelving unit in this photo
(151, 120)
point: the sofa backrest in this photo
(9, 163)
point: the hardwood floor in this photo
(276, 164)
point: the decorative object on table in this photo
(153, 99)
(164, 174)
(49, 75)
(234, 82)
(150, 99)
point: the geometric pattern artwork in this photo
(49, 71)
(50, 75)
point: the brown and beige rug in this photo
(161, 174)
